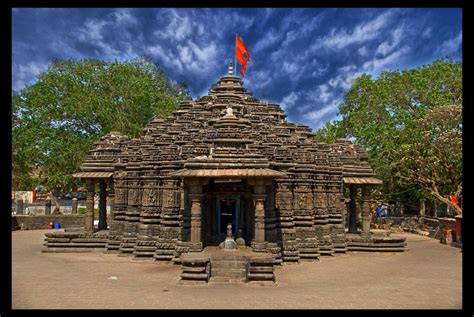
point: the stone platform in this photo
(75, 241)
(378, 241)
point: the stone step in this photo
(74, 245)
(309, 256)
(89, 240)
(328, 253)
(380, 245)
(261, 276)
(375, 249)
(145, 249)
(234, 273)
(197, 269)
(309, 250)
(165, 252)
(261, 269)
(143, 253)
(226, 280)
(194, 276)
(71, 250)
(161, 257)
(228, 264)
(228, 257)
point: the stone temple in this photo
(226, 158)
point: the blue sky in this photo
(302, 59)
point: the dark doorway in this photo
(227, 215)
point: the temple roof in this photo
(228, 173)
(228, 133)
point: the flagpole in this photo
(235, 60)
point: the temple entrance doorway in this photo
(227, 201)
(228, 210)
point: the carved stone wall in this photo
(300, 215)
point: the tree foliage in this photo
(410, 123)
(56, 120)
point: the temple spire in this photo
(231, 69)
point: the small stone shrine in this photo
(228, 158)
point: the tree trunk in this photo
(57, 206)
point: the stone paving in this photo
(427, 276)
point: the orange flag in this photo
(240, 50)
(454, 201)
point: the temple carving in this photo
(229, 158)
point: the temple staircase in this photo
(228, 267)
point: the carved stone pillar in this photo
(259, 201)
(195, 198)
(365, 212)
(111, 197)
(195, 217)
(89, 219)
(259, 198)
(102, 206)
(352, 210)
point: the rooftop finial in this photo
(231, 69)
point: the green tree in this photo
(394, 116)
(56, 120)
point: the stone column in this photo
(259, 197)
(195, 217)
(259, 218)
(74, 206)
(111, 197)
(365, 212)
(89, 219)
(352, 209)
(102, 205)
(195, 197)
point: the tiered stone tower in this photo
(230, 158)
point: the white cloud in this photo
(345, 77)
(92, 33)
(362, 51)
(338, 39)
(450, 46)
(267, 41)
(289, 101)
(290, 68)
(179, 28)
(387, 47)
(206, 54)
(124, 16)
(319, 70)
(28, 73)
(258, 80)
(324, 93)
(165, 56)
(426, 33)
(376, 64)
(334, 82)
(323, 112)
(347, 68)
(185, 54)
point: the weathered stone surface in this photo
(283, 190)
